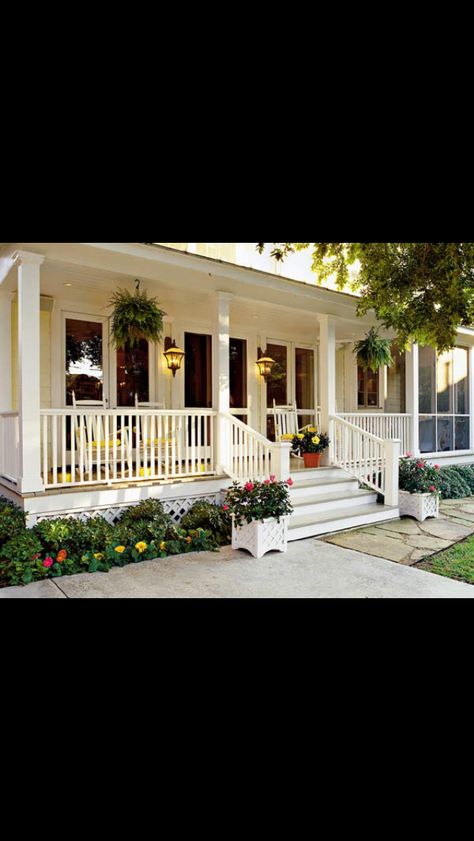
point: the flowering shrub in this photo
(61, 547)
(214, 518)
(417, 476)
(259, 500)
(310, 441)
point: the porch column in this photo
(412, 397)
(29, 405)
(327, 377)
(221, 375)
(6, 351)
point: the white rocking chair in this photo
(287, 422)
(91, 439)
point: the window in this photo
(238, 373)
(304, 385)
(132, 374)
(444, 400)
(84, 360)
(198, 371)
(367, 389)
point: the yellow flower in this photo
(120, 549)
(312, 429)
(163, 546)
(287, 437)
(140, 547)
(300, 436)
(99, 556)
(189, 540)
(315, 440)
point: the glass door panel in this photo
(133, 374)
(85, 360)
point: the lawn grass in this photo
(456, 562)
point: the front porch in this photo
(210, 424)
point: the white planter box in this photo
(419, 506)
(261, 537)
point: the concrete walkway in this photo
(407, 541)
(310, 569)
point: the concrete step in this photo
(320, 487)
(313, 525)
(320, 474)
(331, 502)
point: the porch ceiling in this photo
(265, 301)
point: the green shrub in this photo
(75, 536)
(466, 472)
(452, 484)
(212, 518)
(12, 520)
(149, 509)
(20, 559)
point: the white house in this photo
(212, 421)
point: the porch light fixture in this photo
(265, 365)
(174, 356)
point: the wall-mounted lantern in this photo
(265, 364)
(174, 355)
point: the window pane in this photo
(238, 374)
(396, 377)
(304, 363)
(445, 434)
(444, 382)
(132, 374)
(461, 388)
(428, 435)
(427, 387)
(277, 386)
(462, 441)
(84, 360)
(372, 388)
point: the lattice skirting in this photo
(176, 508)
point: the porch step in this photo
(317, 488)
(319, 474)
(339, 500)
(313, 525)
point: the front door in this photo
(198, 371)
(86, 359)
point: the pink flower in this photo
(48, 562)
(409, 455)
(290, 482)
(267, 482)
(432, 488)
(225, 507)
(436, 467)
(420, 464)
(273, 478)
(249, 486)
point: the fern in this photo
(135, 317)
(373, 352)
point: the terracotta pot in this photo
(312, 459)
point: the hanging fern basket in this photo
(135, 317)
(373, 352)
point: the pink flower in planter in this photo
(48, 562)
(290, 482)
(409, 455)
(273, 478)
(437, 467)
(249, 486)
(267, 482)
(225, 507)
(420, 464)
(432, 488)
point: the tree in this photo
(424, 291)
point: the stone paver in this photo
(310, 569)
(407, 541)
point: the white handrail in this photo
(372, 460)
(385, 425)
(247, 453)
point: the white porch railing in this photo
(383, 426)
(84, 446)
(9, 446)
(247, 454)
(373, 461)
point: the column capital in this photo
(28, 258)
(224, 296)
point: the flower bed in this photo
(61, 547)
